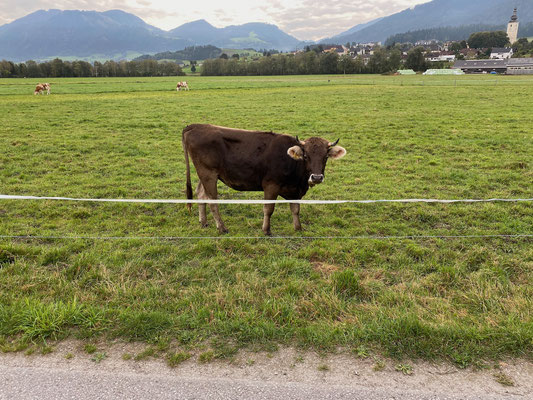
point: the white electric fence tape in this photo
(185, 201)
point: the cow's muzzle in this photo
(315, 179)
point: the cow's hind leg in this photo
(209, 182)
(202, 214)
(295, 210)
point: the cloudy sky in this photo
(305, 19)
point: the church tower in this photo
(512, 28)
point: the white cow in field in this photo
(182, 85)
(41, 87)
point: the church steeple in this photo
(512, 28)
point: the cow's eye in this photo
(306, 157)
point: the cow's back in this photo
(242, 159)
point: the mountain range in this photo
(115, 34)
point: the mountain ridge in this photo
(440, 13)
(113, 34)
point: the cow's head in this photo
(314, 152)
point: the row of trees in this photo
(188, 53)
(384, 60)
(59, 68)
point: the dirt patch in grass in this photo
(325, 269)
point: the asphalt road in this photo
(29, 382)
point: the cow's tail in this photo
(188, 187)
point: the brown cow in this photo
(278, 165)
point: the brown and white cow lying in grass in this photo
(41, 87)
(182, 85)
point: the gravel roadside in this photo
(285, 374)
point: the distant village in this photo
(454, 55)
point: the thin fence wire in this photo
(183, 238)
(222, 201)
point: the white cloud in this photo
(305, 19)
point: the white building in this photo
(501, 53)
(441, 56)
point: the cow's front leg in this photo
(295, 210)
(268, 210)
(271, 193)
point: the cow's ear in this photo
(336, 152)
(296, 152)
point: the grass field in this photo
(466, 300)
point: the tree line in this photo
(383, 60)
(188, 53)
(58, 68)
(304, 63)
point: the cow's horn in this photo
(334, 144)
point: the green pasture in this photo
(464, 299)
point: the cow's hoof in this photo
(268, 233)
(223, 231)
(204, 225)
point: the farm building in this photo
(520, 66)
(482, 66)
(511, 66)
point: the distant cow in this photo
(41, 87)
(182, 85)
(278, 165)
